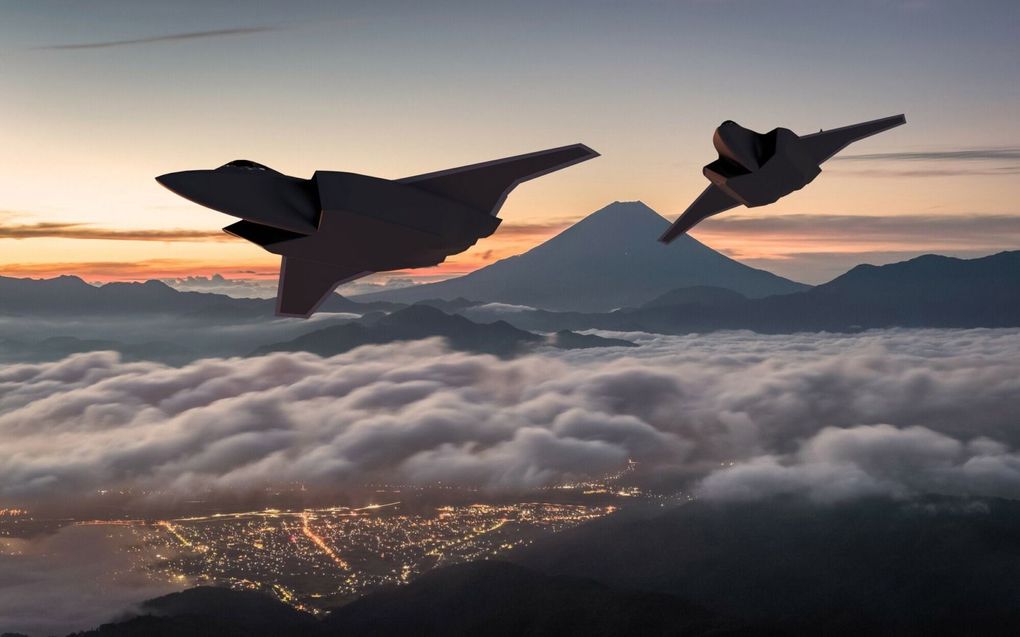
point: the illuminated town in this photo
(319, 558)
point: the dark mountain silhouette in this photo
(495, 599)
(70, 296)
(929, 291)
(565, 339)
(208, 611)
(424, 321)
(499, 599)
(608, 260)
(880, 567)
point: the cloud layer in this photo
(893, 412)
(76, 578)
(156, 39)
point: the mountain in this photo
(608, 260)
(207, 611)
(928, 291)
(499, 599)
(495, 599)
(70, 296)
(424, 321)
(935, 565)
(705, 295)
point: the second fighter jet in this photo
(756, 169)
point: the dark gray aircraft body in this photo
(755, 169)
(337, 226)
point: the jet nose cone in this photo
(183, 182)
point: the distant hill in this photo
(57, 347)
(608, 260)
(929, 291)
(424, 321)
(67, 296)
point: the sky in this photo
(100, 96)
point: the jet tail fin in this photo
(710, 202)
(485, 186)
(305, 285)
(825, 144)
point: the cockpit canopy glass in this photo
(246, 164)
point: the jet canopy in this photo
(247, 164)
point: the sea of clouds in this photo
(726, 416)
(730, 415)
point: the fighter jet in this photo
(337, 226)
(755, 169)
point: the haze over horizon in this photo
(109, 95)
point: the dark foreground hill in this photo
(211, 612)
(494, 599)
(610, 259)
(874, 567)
(504, 600)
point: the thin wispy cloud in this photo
(134, 270)
(85, 231)
(980, 228)
(970, 154)
(536, 229)
(969, 161)
(958, 172)
(826, 245)
(157, 39)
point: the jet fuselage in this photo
(338, 226)
(758, 169)
(337, 218)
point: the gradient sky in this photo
(99, 96)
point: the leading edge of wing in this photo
(710, 202)
(305, 285)
(823, 145)
(485, 186)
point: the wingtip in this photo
(287, 314)
(290, 315)
(669, 236)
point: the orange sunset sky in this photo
(99, 100)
